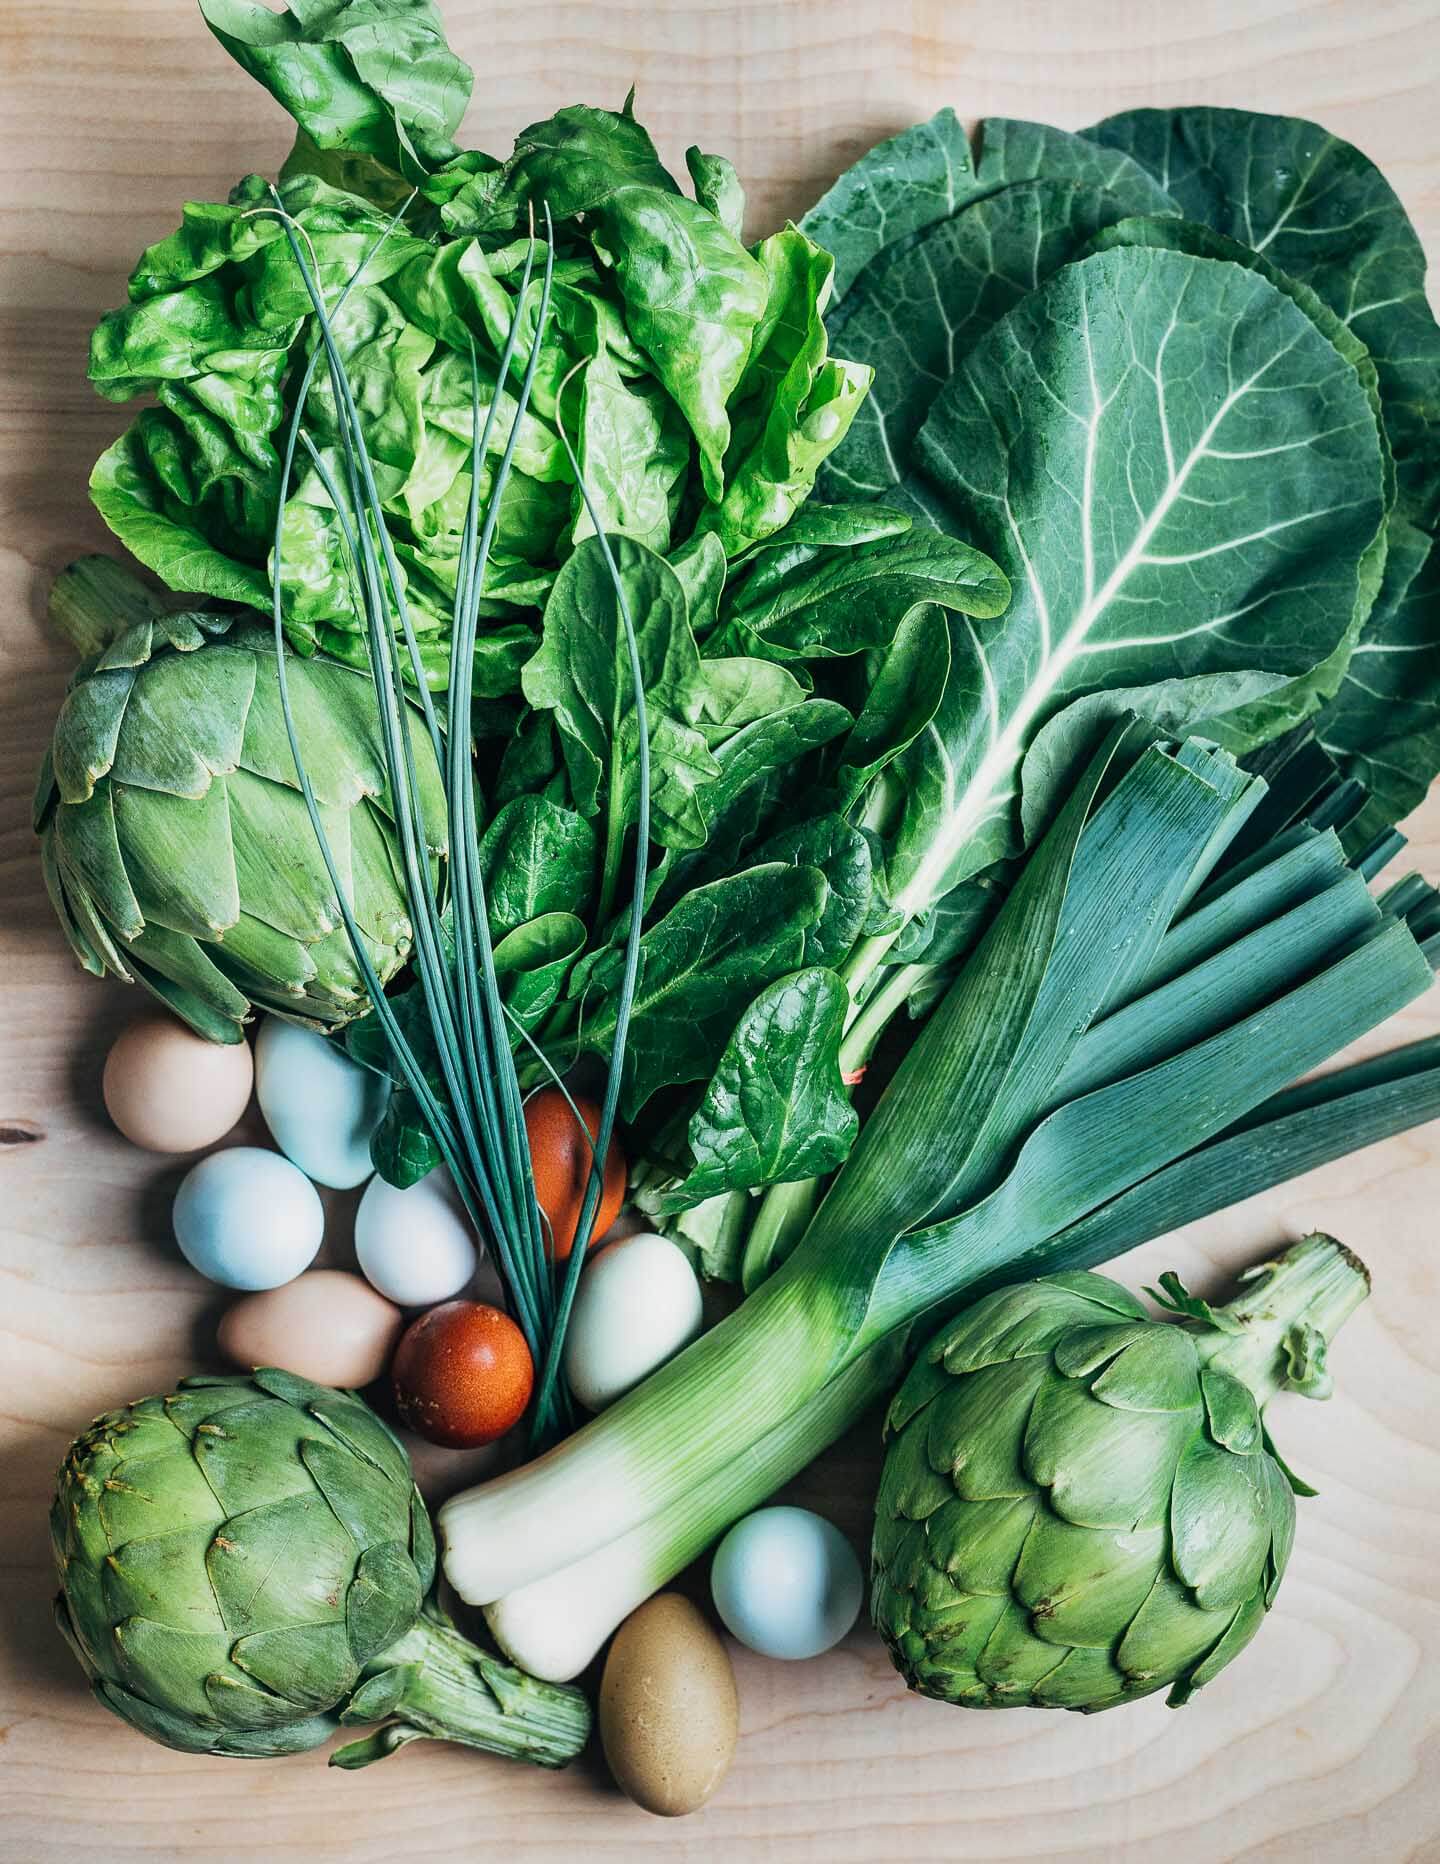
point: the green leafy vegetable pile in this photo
(1178, 377)
(691, 372)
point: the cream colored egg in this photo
(669, 1712)
(325, 1325)
(169, 1090)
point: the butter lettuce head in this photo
(690, 373)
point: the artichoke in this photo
(1081, 1505)
(244, 1567)
(177, 847)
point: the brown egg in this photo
(462, 1375)
(562, 1163)
(169, 1090)
(325, 1325)
(669, 1713)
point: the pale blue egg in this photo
(320, 1106)
(247, 1218)
(786, 1583)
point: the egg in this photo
(329, 1326)
(462, 1375)
(786, 1583)
(169, 1090)
(320, 1106)
(669, 1713)
(248, 1218)
(416, 1245)
(636, 1305)
(562, 1161)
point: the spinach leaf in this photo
(536, 859)
(699, 966)
(904, 695)
(842, 854)
(1114, 441)
(531, 962)
(582, 674)
(775, 1109)
(818, 603)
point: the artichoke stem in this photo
(458, 1692)
(1286, 1313)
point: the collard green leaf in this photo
(1383, 725)
(1319, 210)
(899, 187)
(699, 966)
(916, 314)
(1136, 443)
(775, 1109)
(1012, 150)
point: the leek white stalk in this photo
(978, 1152)
(554, 1627)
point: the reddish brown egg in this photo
(561, 1160)
(462, 1375)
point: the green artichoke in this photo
(1080, 1505)
(245, 1566)
(177, 847)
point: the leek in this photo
(1032, 1099)
(556, 1626)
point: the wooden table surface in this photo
(1323, 1742)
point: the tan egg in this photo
(669, 1714)
(326, 1325)
(169, 1090)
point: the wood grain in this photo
(1324, 1742)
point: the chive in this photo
(479, 1128)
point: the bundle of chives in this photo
(478, 1127)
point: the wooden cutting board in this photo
(1321, 1743)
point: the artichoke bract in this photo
(246, 1565)
(1081, 1505)
(177, 847)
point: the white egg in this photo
(786, 1583)
(637, 1304)
(320, 1106)
(416, 1245)
(248, 1218)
